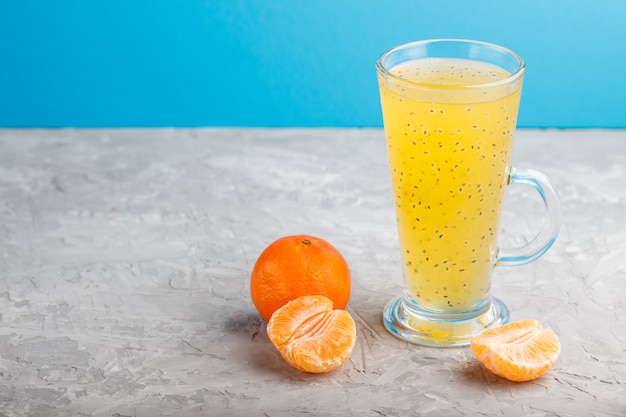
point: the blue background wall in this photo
(287, 63)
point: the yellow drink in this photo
(449, 150)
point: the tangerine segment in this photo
(294, 316)
(519, 351)
(310, 335)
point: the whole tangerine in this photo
(294, 266)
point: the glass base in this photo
(410, 323)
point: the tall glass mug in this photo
(450, 110)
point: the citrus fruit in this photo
(519, 351)
(310, 335)
(294, 266)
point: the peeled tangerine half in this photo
(519, 351)
(310, 335)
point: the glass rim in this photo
(382, 70)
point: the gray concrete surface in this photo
(125, 258)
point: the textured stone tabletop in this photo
(125, 258)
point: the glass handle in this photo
(540, 244)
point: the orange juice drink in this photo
(450, 110)
(449, 151)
